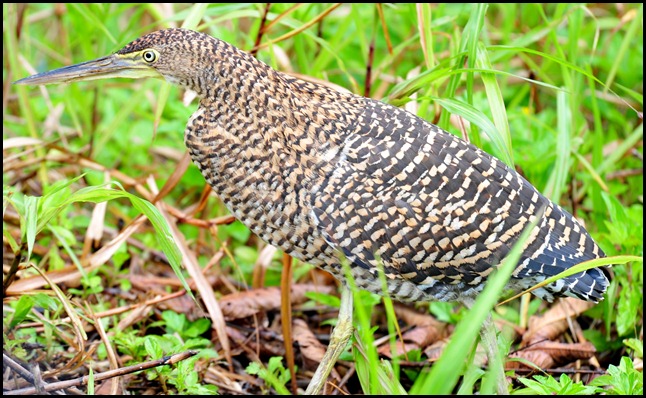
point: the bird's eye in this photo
(149, 56)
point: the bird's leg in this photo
(489, 340)
(338, 341)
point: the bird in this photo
(332, 177)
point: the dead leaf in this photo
(434, 351)
(415, 318)
(426, 331)
(417, 338)
(540, 359)
(243, 304)
(555, 321)
(547, 354)
(17, 142)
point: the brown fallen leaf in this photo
(419, 337)
(555, 321)
(434, 351)
(540, 359)
(243, 304)
(547, 354)
(230, 381)
(311, 347)
(412, 317)
(427, 330)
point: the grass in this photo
(556, 90)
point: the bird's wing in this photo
(428, 205)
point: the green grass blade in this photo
(558, 178)
(31, 223)
(97, 194)
(472, 35)
(621, 149)
(584, 266)
(628, 40)
(424, 18)
(91, 18)
(475, 116)
(195, 15)
(496, 101)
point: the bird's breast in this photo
(266, 187)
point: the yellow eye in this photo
(149, 56)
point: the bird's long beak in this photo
(114, 65)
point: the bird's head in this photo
(170, 54)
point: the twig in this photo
(299, 30)
(291, 9)
(619, 174)
(384, 26)
(261, 30)
(11, 275)
(81, 381)
(371, 56)
(16, 367)
(286, 317)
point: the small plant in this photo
(185, 379)
(182, 375)
(622, 379)
(547, 385)
(275, 374)
(177, 323)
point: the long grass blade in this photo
(558, 178)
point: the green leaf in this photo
(45, 301)
(153, 349)
(636, 345)
(269, 377)
(197, 327)
(496, 100)
(31, 223)
(628, 306)
(195, 16)
(97, 194)
(174, 322)
(622, 379)
(547, 385)
(558, 177)
(23, 306)
(90, 382)
(253, 368)
(323, 298)
(538, 388)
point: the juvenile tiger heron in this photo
(324, 174)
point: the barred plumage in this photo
(318, 172)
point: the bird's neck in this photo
(263, 105)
